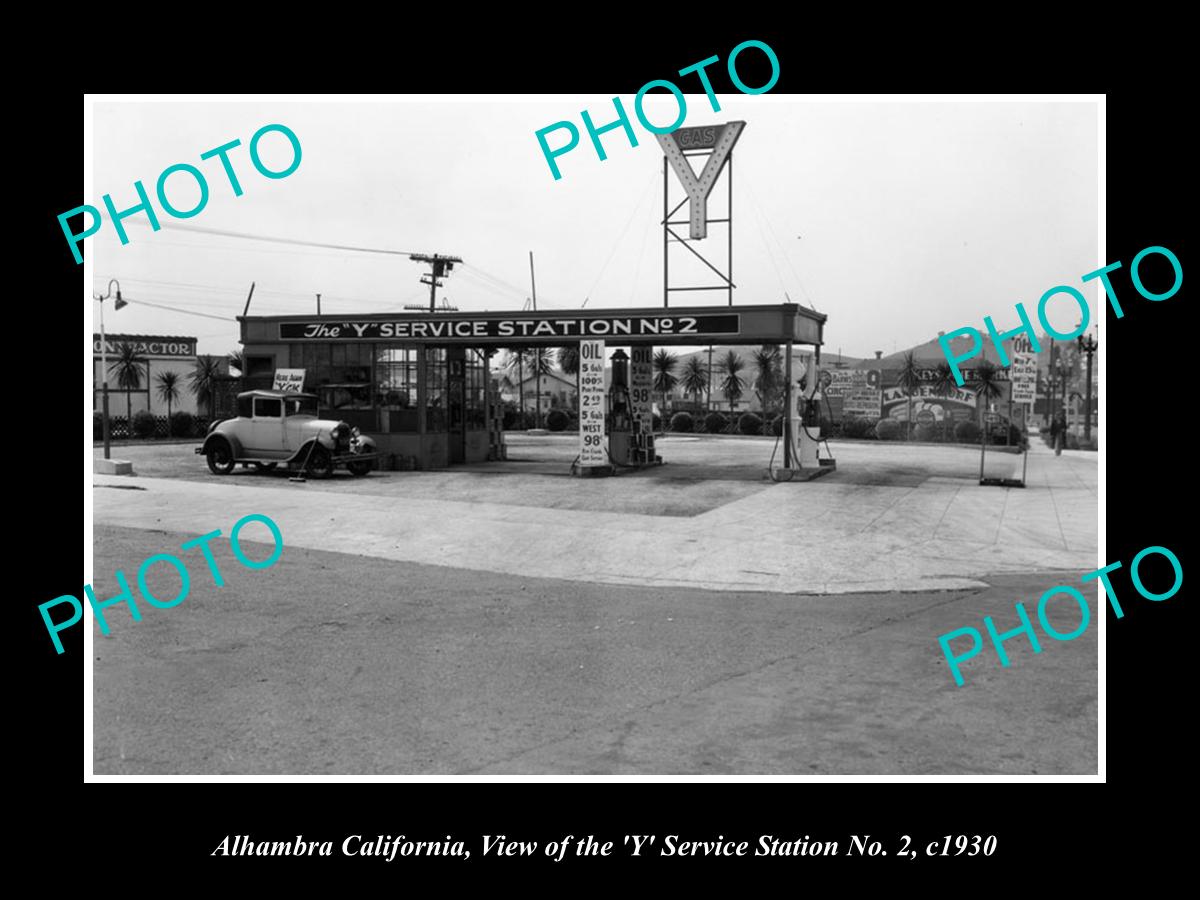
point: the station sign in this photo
(535, 329)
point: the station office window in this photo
(475, 401)
(395, 388)
(340, 374)
(435, 389)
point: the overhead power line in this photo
(185, 312)
(277, 240)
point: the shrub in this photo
(513, 419)
(889, 430)
(656, 422)
(97, 426)
(714, 423)
(182, 423)
(682, 421)
(926, 433)
(1091, 443)
(1072, 441)
(143, 424)
(749, 423)
(966, 432)
(556, 420)
(854, 427)
(777, 426)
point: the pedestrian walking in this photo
(1058, 432)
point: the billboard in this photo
(857, 391)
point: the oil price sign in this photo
(1023, 370)
(592, 451)
(641, 380)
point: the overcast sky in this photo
(897, 220)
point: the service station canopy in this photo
(659, 326)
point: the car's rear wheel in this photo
(359, 468)
(320, 462)
(220, 458)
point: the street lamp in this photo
(1088, 345)
(1061, 371)
(117, 304)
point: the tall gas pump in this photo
(808, 415)
(806, 423)
(630, 423)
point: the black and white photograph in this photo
(703, 432)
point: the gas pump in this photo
(629, 422)
(807, 422)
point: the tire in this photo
(320, 462)
(265, 467)
(359, 469)
(220, 458)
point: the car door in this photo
(265, 436)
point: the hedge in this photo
(966, 432)
(889, 430)
(749, 423)
(682, 422)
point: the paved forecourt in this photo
(889, 519)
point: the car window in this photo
(267, 407)
(243, 407)
(300, 406)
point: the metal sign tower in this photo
(715, 144)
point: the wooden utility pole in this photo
(439, 267)
(532, 282)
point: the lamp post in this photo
(1088, 345)
(117, 304)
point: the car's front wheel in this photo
(320, 462)
(220, 458)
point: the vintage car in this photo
(274, 427)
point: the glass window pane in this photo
(267, 407)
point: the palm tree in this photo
(516, 362)
(984, 380)
(732, 384)
(909, 380)
(203, 381)
(568, 361)
(541, 360)
(168, 390)
(664, 380)
(128, 369)
(695, 377)
(766, 379)
(943, 385)
(237, 361)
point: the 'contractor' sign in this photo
(463, 330)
